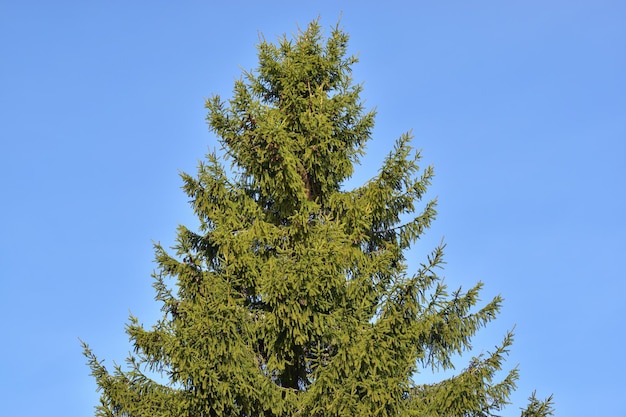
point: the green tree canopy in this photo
(293, 297)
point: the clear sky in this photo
(520, 107)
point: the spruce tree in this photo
(293, 297)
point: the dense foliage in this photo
(293, 298)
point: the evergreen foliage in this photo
(294, 297)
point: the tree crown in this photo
(294, 298)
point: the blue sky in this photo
(520, 107)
